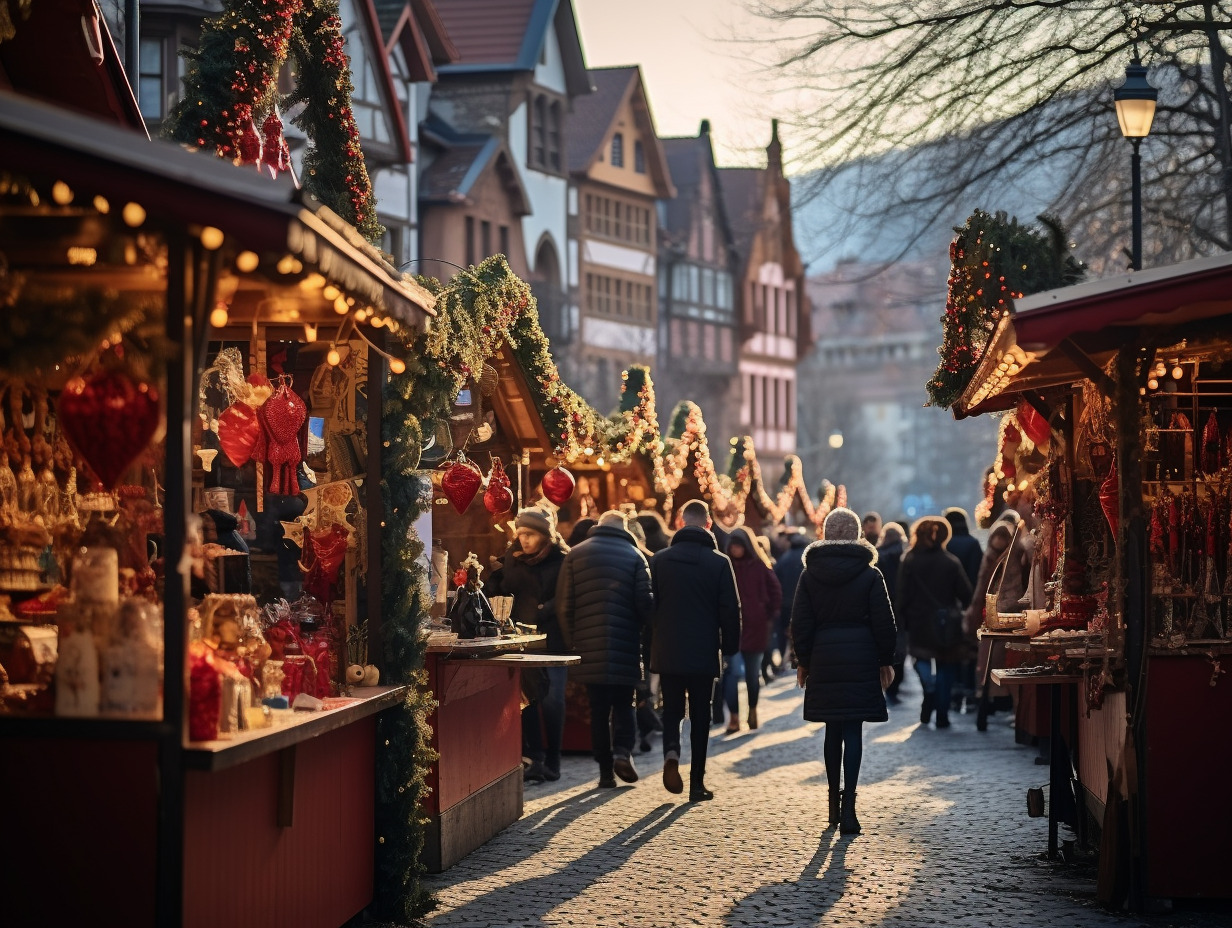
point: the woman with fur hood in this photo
(843, 629)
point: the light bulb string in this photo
(384, 354)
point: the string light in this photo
(1178, 372)
(333, 358)
(101, 205)
(212, 238)
(1152, 384)
(247, 261)
(62, 193)
(340, 306)
(134, 214)
(219, 316)
(310, 332)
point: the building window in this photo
(639, 157)
(544, 116)
(150, 83)
(791, 313)
(694, 283)
(485, 239)
(617, 219)
(504, 241)
(708, 287)
(554, 136)
(539, 130)
(470, 240)
(791, 405)
(723, 290)
(618, 150)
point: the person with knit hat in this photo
(604, 604)
(528, 572)
(844, 633)
(932, 587)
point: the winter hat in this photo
(615, 517)
(537, 520)
(842, 525)
(891, 533)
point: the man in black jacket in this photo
(603, 603)
(696, 615)
(788, 568)
(528, 573)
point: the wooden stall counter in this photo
(476, 782)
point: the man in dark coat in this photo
(844, 632)
(603, 602)
(528, 573)
(889, 555)
(966, 547)
(788, 568)
(696, 615)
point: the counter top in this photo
(291, 728)
(449, 643)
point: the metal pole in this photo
(1136, 163)
(132, 45)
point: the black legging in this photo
(844, 747)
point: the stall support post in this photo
(183, 281)
(1131, 547)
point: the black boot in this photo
(926, 709)
(836, 805)
(849, 824)
(698, 791)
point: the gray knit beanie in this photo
(537, 520)
(842, 525)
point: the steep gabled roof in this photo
(494, 36)
(591, 118)
(690, 159)
(744, 193)
(465, 158)
(415, 26)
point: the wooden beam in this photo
(1089, 368)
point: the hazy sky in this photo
(696, 66)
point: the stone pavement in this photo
(946, 840)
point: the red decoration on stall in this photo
(109, 420)
(1033, 424)
(498, 497)
(1212, 446)
(1110, 499)
(284, 413)
(460, 484)
(275, 153)
(249, 144)
(558, 485)
(239, 430)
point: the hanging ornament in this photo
(109, 420)
(1212, 446)
(275, 153)
(497, 499)
(1109, 499)
(558, 485)
(460, 484)
(283, 414)
(1033, 424)
(239, 430)
(249, 145)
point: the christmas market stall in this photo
(1122, 386)
(195, 653)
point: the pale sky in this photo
(696, 65)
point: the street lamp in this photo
(1135, 108)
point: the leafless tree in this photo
(949, 100)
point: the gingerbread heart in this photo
(109, 420)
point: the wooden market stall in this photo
(1126, 383)
(131, 268)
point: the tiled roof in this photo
(684, 159)
(488, 31)
(455, 170)
(593, 113)
(388, 12)
(743, 193)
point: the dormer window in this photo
(618, 150)
(639, 158)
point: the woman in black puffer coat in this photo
(842, 627)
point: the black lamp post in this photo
(1135, 107)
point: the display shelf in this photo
(1192, 649)
(453, 645)
(1006, 678)
(1005, 634)
(301, 726)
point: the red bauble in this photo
(239, 429)
(497, 499)
(460, 484)
(109, 420)
(249, 145)
(558, 485)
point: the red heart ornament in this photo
(238, 432)
(109, 420)
(497, 499)
(558, 485)
(460, 484)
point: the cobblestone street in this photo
(946, 840)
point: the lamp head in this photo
(1135, 102)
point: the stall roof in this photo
(515, 405)
(191, 189)
(1042, 343)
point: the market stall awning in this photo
(176, 187)
(1063, 336)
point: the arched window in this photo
(618, 150)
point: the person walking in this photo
(696, 616)
(603, 602)
(889, 555)
(760, 600)
(870, 525)
(655, 529)
(966, 547)
(844, 633)
(933, 590)
(528, 572)
(788, 568)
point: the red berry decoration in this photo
(460, 484)
(109, 420)
(558, 485)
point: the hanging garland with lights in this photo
(993, 261)
(231, 105)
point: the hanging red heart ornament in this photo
(109, 420)
(497, 499)
(558, 485)
(460, 484)
(238, 432)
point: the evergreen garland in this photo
(993, 260)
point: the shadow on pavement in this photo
(823, 880)
(527, 902)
